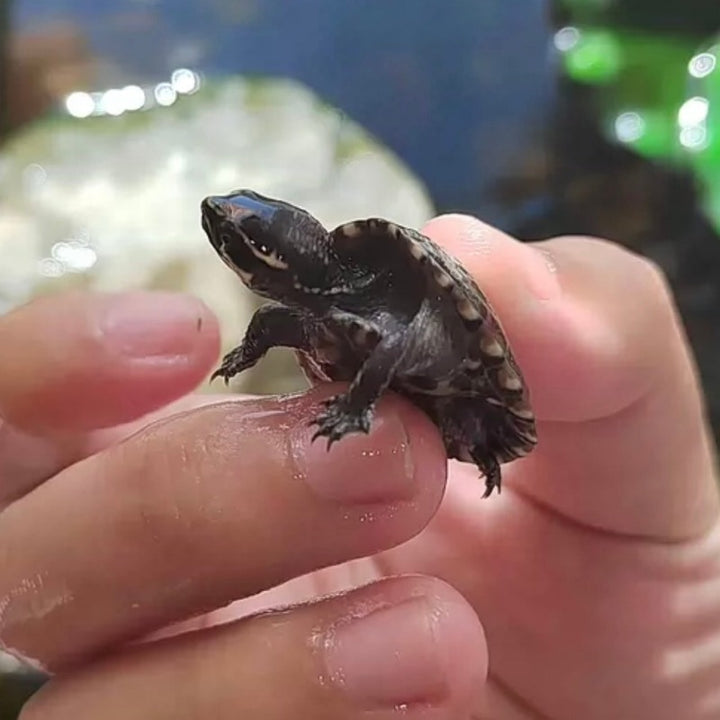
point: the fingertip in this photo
(154, 327)
(80, 361)
(402, 458)
(427, 450)
(409, 641)
(495, 259)
(464, 644)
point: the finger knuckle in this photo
(643, 276)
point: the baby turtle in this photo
(380, 306)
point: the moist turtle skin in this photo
(381, 307)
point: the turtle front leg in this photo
(353, 411)
(271, 326)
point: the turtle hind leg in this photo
(490, 468)
(466, 438)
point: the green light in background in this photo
(648, 132)
(595, 57)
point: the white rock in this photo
(112, 203)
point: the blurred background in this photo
(543, 117)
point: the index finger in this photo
(622, 442)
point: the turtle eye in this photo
(257, 246)
(271, 257)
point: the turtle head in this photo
(277, 249)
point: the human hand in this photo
(597, 574)
(114, 529)
(593, 573)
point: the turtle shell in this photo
(485, 395)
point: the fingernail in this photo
(151, 325)
(375, 468)
(389, 658)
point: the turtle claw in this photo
(490, 487)
(220, 372)
(338, 419)
(232, 364)
(224, 373)
(493, 478)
